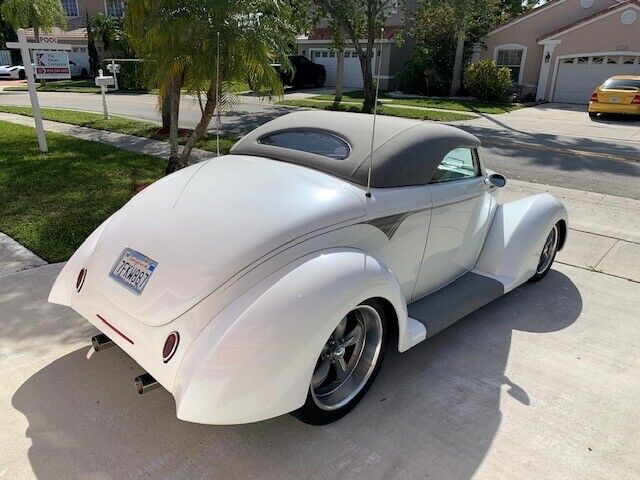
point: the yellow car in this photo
(619, 94)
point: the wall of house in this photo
(605, 35)
(526, 32)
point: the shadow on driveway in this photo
(432, 413)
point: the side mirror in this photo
(498, 180)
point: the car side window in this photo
(458, 164)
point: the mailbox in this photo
(103, 81)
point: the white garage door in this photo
(578, 77)
(352, 77)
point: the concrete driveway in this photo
(564, 126)
(540, 384)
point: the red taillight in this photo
(594, 97)
(170, 346)
(80, 280)
(636, 100)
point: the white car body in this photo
(12, 72)
(259, 259)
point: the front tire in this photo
(548, 255)
(347, 366)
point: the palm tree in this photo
(178, 43)
(37, 14)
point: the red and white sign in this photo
(51, 64)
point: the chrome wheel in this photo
(348, 358)
(548, 251)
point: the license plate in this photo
(133, 270)
(614, 99)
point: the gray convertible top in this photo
(406, 152)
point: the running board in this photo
(446, 306)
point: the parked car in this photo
(619, 94)
(77, 71)
(271, 280)
(305, 73)
(13, 72)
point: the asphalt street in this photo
(552, 146)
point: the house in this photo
(317, 47)
(562, 50)
(76, 33)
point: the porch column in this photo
(545, 66)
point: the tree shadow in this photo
(432, 413)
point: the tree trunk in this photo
(201, 128)
(368, 86)
(172, 104)
(456, 81)
(340, 65)
(166, 112)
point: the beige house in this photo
(317, 47)
(563, 49)
(76, 33)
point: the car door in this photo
(459, 220)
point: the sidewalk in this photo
(604, 230)
(131, 143)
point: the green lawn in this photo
(75, 86)
(433, 102)
(51, 202)
(117, 124)
(384, 109)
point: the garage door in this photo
(352, 77)
(578, 77)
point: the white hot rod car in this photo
(272, 280)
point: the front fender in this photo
(255, 359)
(512, 248)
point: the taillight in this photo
(636, 100)
(170, 346)
(80, 280)
(594, 97)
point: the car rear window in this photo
(621, 83)
(318, 143)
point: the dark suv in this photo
(305, 73)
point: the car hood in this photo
(209, 222)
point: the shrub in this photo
(486, 81)
(422, 74)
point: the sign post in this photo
(24, 47)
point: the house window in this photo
(512, 59)
(115, 8)
(325, 54)
(70, 7)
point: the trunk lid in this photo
(210, 221)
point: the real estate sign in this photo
(51, 64)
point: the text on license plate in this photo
(133, 270)
(614, 99)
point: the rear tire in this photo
(22, 75)
(593, 114)
(548, 255)
(347, 365)
(320, 79)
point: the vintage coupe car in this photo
(271, 281)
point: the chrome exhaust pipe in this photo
(101, 341)
(145, 383)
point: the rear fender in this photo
(255, 359)
(518, 231)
